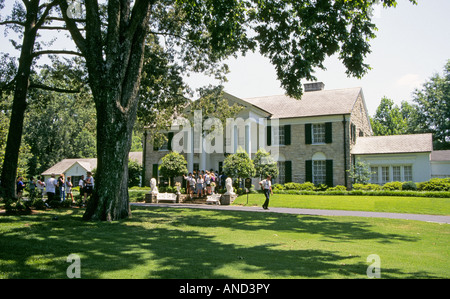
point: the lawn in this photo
(194, 243)
(393, 204)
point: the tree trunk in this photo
(110, 200)
(9, 169)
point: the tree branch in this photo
(72, 27)
(12, 22)
(51, 88)
(56, 52)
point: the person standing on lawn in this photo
(266, 185)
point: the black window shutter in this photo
(287, 134)
(155, 171)
(269, 135)
(308, 139)
(328, 133)
(169, 141)
(288, 171)
(308, 173)
(329, 173)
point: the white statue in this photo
(229, 186)
(153, 187)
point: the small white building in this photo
(396, 158)
(75, 168)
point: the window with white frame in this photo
(318, 133)
(319, 172)
(384, 174)
(374, 175)
(407, 173)
(396, 173)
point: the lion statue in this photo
(229, 186)
(153, 187)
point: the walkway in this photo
(419, 217)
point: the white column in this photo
(248, 140)
(190, 151)
(203, 154)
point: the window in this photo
(318, 133)
(396, 173)
(407, 173)
(374, 175)
(281, 172)
(384, 174)
(319, 172)
(281, 135)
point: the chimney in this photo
(316, 86)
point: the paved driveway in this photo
(419, 217)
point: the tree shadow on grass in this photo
(172, 243)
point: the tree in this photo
(433, 102)
(265, 164)
(388, 119)
(173, 165)
(29, 20)
(360, 172)
(239, 165)
(295, 35)
(134, 173)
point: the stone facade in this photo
(343, 128)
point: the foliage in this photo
(435, 184)
(392, 186)
(265, 164)
(388, 119)
(239, 165)
(360, 172)
(173, 164)
(134, 173)
(409, 186)
(433, 102)
(366, 187)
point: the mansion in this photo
(316, 139)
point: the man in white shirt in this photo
(50, 185)
(266, 185)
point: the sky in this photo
(412, 44)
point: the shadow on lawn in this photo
(158, 238)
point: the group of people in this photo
(203, 183)
(53, 187)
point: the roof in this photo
(312, 103)
(64, 165)
(394, 144)
(89, 164)
(440, 155)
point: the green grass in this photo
(196, 243)
(394, 204)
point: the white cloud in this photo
(410, 81)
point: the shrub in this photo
(392, 186)
(277, 187)
(366, 187)
(436, 184)
(338, 188)
(307, 186)
(409, 186)
(321, 187)
(293, 186)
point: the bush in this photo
(366, 187)
(435, 184)
(293, 186)
(392, 186)
(409, 186)
(338, 188)
(277, 187)
(307, 186)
